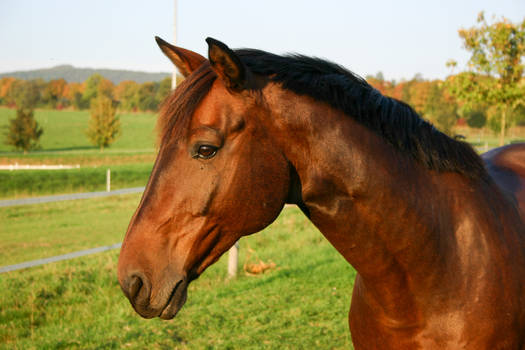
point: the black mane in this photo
(394, 120)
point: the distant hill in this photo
(73, 74)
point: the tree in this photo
(23, 132)
(96, 85)
(164, 89)
(5, 84)
(476, 116)
(126, 95)
(378, 82)
(53, 92)
(24, 94)
(146, 96)
(418, 95)
(73, 92)
(495, 67)
(104, 125)
(440, 108)
(519, 115)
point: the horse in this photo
(506, 165)
(438, 247)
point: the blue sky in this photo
(399, 38)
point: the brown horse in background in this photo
(438, 247)
(506, 165)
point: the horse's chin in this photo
(175, 301)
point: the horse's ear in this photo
(227, 65)
(186, 61)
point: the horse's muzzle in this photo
(138, 289)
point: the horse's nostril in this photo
(137, 288)
(134, 285)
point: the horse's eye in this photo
(206, 151)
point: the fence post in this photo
(233, 260)
(108, 180)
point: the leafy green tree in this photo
(146, 96)
(163, 90)
(515, 116)
(96, 85)
(126, 95)
(495, 67)
(24, 93)
(23, 132)
(104, 125)
(440, 108)
(91, 88)
(476, 117)
(494, 120)
(519, 115)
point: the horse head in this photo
(218, 176)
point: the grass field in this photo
(77, 304)
(64, 142)
(64, 131)
(37, 231)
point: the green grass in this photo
(26, 183)
(36, 231)
(64, 131)
(77, 304)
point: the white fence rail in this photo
(37, 167)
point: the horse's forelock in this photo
(177, 109)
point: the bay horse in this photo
(438, 247)
(506, 165)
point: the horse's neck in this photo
(384, 212)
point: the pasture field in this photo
(42, 230)
(64, 142)
(64, 131)
(302, 303)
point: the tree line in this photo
(437, 102)
(58, 94)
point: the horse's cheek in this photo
(206, 192)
